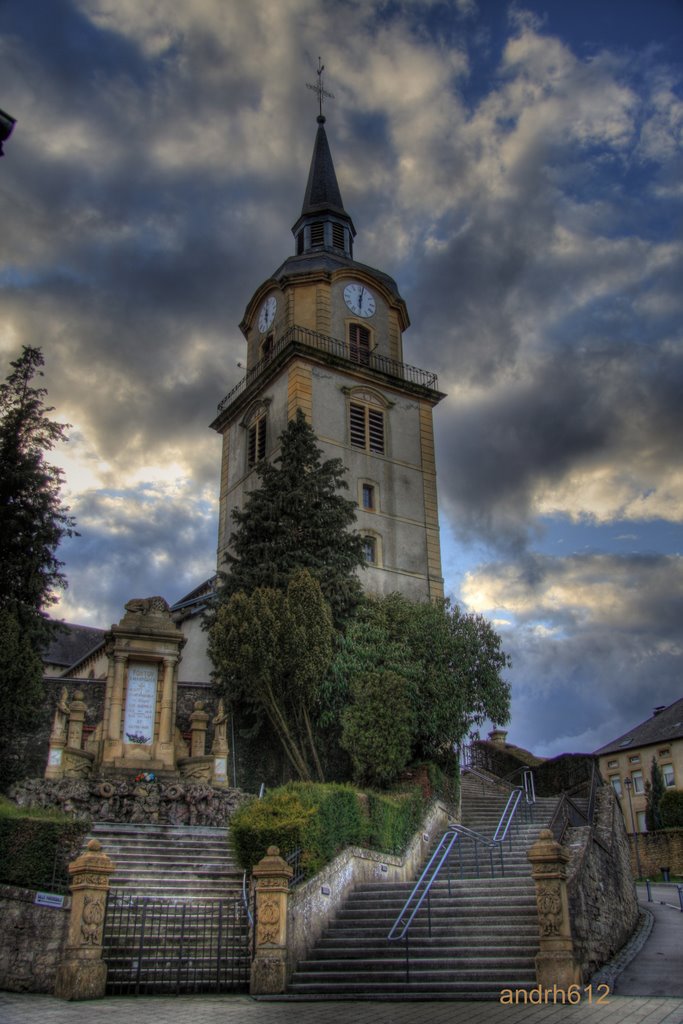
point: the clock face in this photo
(267, 314)
(359, 299)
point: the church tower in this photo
(325, 334)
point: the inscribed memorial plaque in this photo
(138, 726)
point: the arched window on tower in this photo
(372, 548)
(367, 421)
(255, 424)
(359, 344)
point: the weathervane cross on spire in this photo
(318, 87)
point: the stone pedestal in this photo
(140, 700)
(199, 722)
(555, 963)
(83, 974)
(269, 968)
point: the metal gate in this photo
(154, 945)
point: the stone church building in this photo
(324, 334)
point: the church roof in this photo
(664, 725)
(328, 260)
(72, 643)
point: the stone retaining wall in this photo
(310, 909)
(602, 897)
(32, 941)
(657, 850)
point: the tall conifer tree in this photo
(297, 519)
(33, 520)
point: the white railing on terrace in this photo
(303, 338)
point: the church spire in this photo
(323, 223)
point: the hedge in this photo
(321, 819)
(36, 847)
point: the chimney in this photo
(498, 736)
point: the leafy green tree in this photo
(297, 519)
(378, 726)
(270, 649)
(451, 664)
(655, 791)
(33, 520)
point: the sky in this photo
(516, 167)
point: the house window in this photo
(366, 428)
(634, 759)
(664, 753)
(612, 764)
(668, 773)
(369, 501)
(616, 784)
(637, 778)
(641, 822)
(256, 441)
(318, 233)
(359, 344)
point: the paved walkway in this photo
(648, 990)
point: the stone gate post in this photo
(268, 969)
(82, 974)
(555, 963)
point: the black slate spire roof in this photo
(323, 222)
(322, 189)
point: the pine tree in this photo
(297, 519)
(32, 519)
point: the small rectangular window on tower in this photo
(338, 236)
(369, 497)
(318, 233)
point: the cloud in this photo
(524, 190)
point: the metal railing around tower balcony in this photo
(303, 339)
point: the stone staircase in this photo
(170, 860)
(175, 920)
(484, 933)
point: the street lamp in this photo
(629, 785)
(7, 123)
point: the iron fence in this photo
(154, 945)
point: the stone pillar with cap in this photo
(269, 967)
(556, 963)
(199, 722)
(82, 974)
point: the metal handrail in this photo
(297, 335)
(245, 900)
(507, 816)
(444, 847)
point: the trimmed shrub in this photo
(671, 809)
(36, 846)
(321, 819)
(394, 818)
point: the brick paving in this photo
(18, 1008)
(638, 963)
